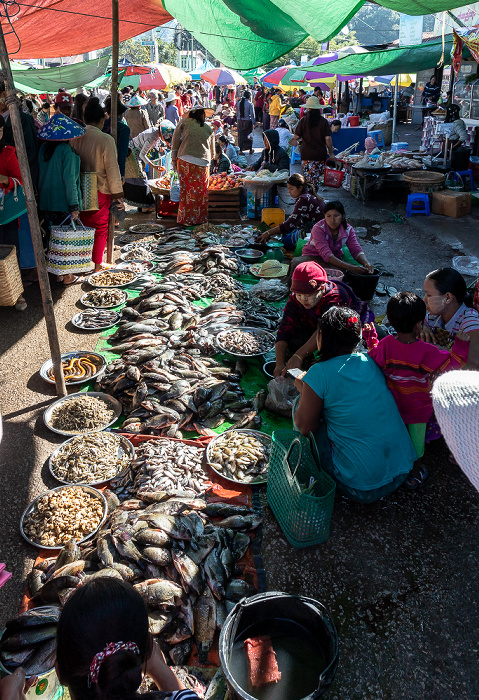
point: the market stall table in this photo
(369, 178)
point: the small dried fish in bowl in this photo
(245, 342)
(139, 267)
(81, 414)
(89, 459)
(147, 228)
(111, 278)
(138, 253)
(240, 455)
(64, 513)
(95, 318)
(104, 298)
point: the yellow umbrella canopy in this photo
(405, 79)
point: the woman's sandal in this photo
(417, 477)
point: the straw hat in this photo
(137, 101)
(61, 128)
(313, 103)
(171, 97)
(271, 268)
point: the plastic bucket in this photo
(273, 216)
(363, 286)
(354, 121)
(267, 614)
(285, 201)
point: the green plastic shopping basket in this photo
(304, 519)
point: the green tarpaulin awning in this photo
(52, 79)
(387, 61)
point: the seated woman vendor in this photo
(308, 209)
(273, 157)
(344, 401)
(333, 243)
(311, 296)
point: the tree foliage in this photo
(132, 50)
(167, 52)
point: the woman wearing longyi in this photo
(311, 296)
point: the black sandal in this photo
(417, 477)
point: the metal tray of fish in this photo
(95, 319)
(124, 448)
(92, 280)
(139, 267)
(122, 298)
(94, 357)
(262, 437)
(147, 228)
(111, 402)
(227, 335)
(88, 489)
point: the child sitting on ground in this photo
(409, 365)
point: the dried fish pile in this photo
(256, 312)
(62, 514)
(111, 278)
(139, 267)
(240, 456)
(139, 252)
(29, 641)
(147, 228)
(90, 459)
(163, 465)
(95, 318)
(104, 298)
(81, 414)
(245, 342)
(211, 260)
(180, 562)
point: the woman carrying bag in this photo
(59, 187)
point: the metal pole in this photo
(43, 280)
(360, 95)
(155, 44)
(395, 108)
(115, 44)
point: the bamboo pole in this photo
(395, 107)
(114, 109)
(44, 282)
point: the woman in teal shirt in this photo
(59, 185)
(345, 402)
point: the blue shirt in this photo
(370, 443)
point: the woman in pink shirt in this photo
(333, 242)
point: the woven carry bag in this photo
(89, 191)
(70, 248)
(10, 279)
(132, 169)
(304, 518)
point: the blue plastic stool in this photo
(413, 199)
(464, 174)
(295, 155)
(378, 137)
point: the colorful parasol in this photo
(154, 75)
(223, 76)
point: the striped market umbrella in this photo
(154, 75)
(281, 77)
(223, 76)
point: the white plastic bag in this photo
(174, 188)
(281, 394)
(270, 290)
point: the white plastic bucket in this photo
(285, 201)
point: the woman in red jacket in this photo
(9, 169)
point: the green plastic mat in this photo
(253, 381)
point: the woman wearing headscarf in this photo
(246, 119)
(192, 150)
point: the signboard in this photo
(468, 15)
(410, 30)
(147, 43)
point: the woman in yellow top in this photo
(275, 108)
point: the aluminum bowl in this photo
(85, 301)
(94, 357)
(124, 447)
(262, 437)
(77, 322)
(152, 228)
(268, 368)
(249, 255)
(87, 489)
(128, 265)
(110, 400)
(251, 329)
(92, 279)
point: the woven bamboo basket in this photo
(425, 181)
(10, 279)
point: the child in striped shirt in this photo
(409, 365)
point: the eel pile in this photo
(183, 564)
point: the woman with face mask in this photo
(449, 311)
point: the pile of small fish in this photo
(240, 456)
(173, 239)
(104, 298)
(163, 465)
(211, 260)
(139, 267)
(111, 278)
(90, 459)
(182, 564)
(256, 312)
(147, 228)
(61, 514)
(29, 641)
(138, 252)
(245, 342)
(81, 414)
(95, 318)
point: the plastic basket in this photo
(10, 278)
(333, 177)
(304, 519)
(272, 216)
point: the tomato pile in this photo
(223, 181)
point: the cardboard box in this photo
(450, 203)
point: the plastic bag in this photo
(270, 290)
(281, 395)
(466, 265)
(174, 188)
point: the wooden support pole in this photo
(44, 282)
(115, 44)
